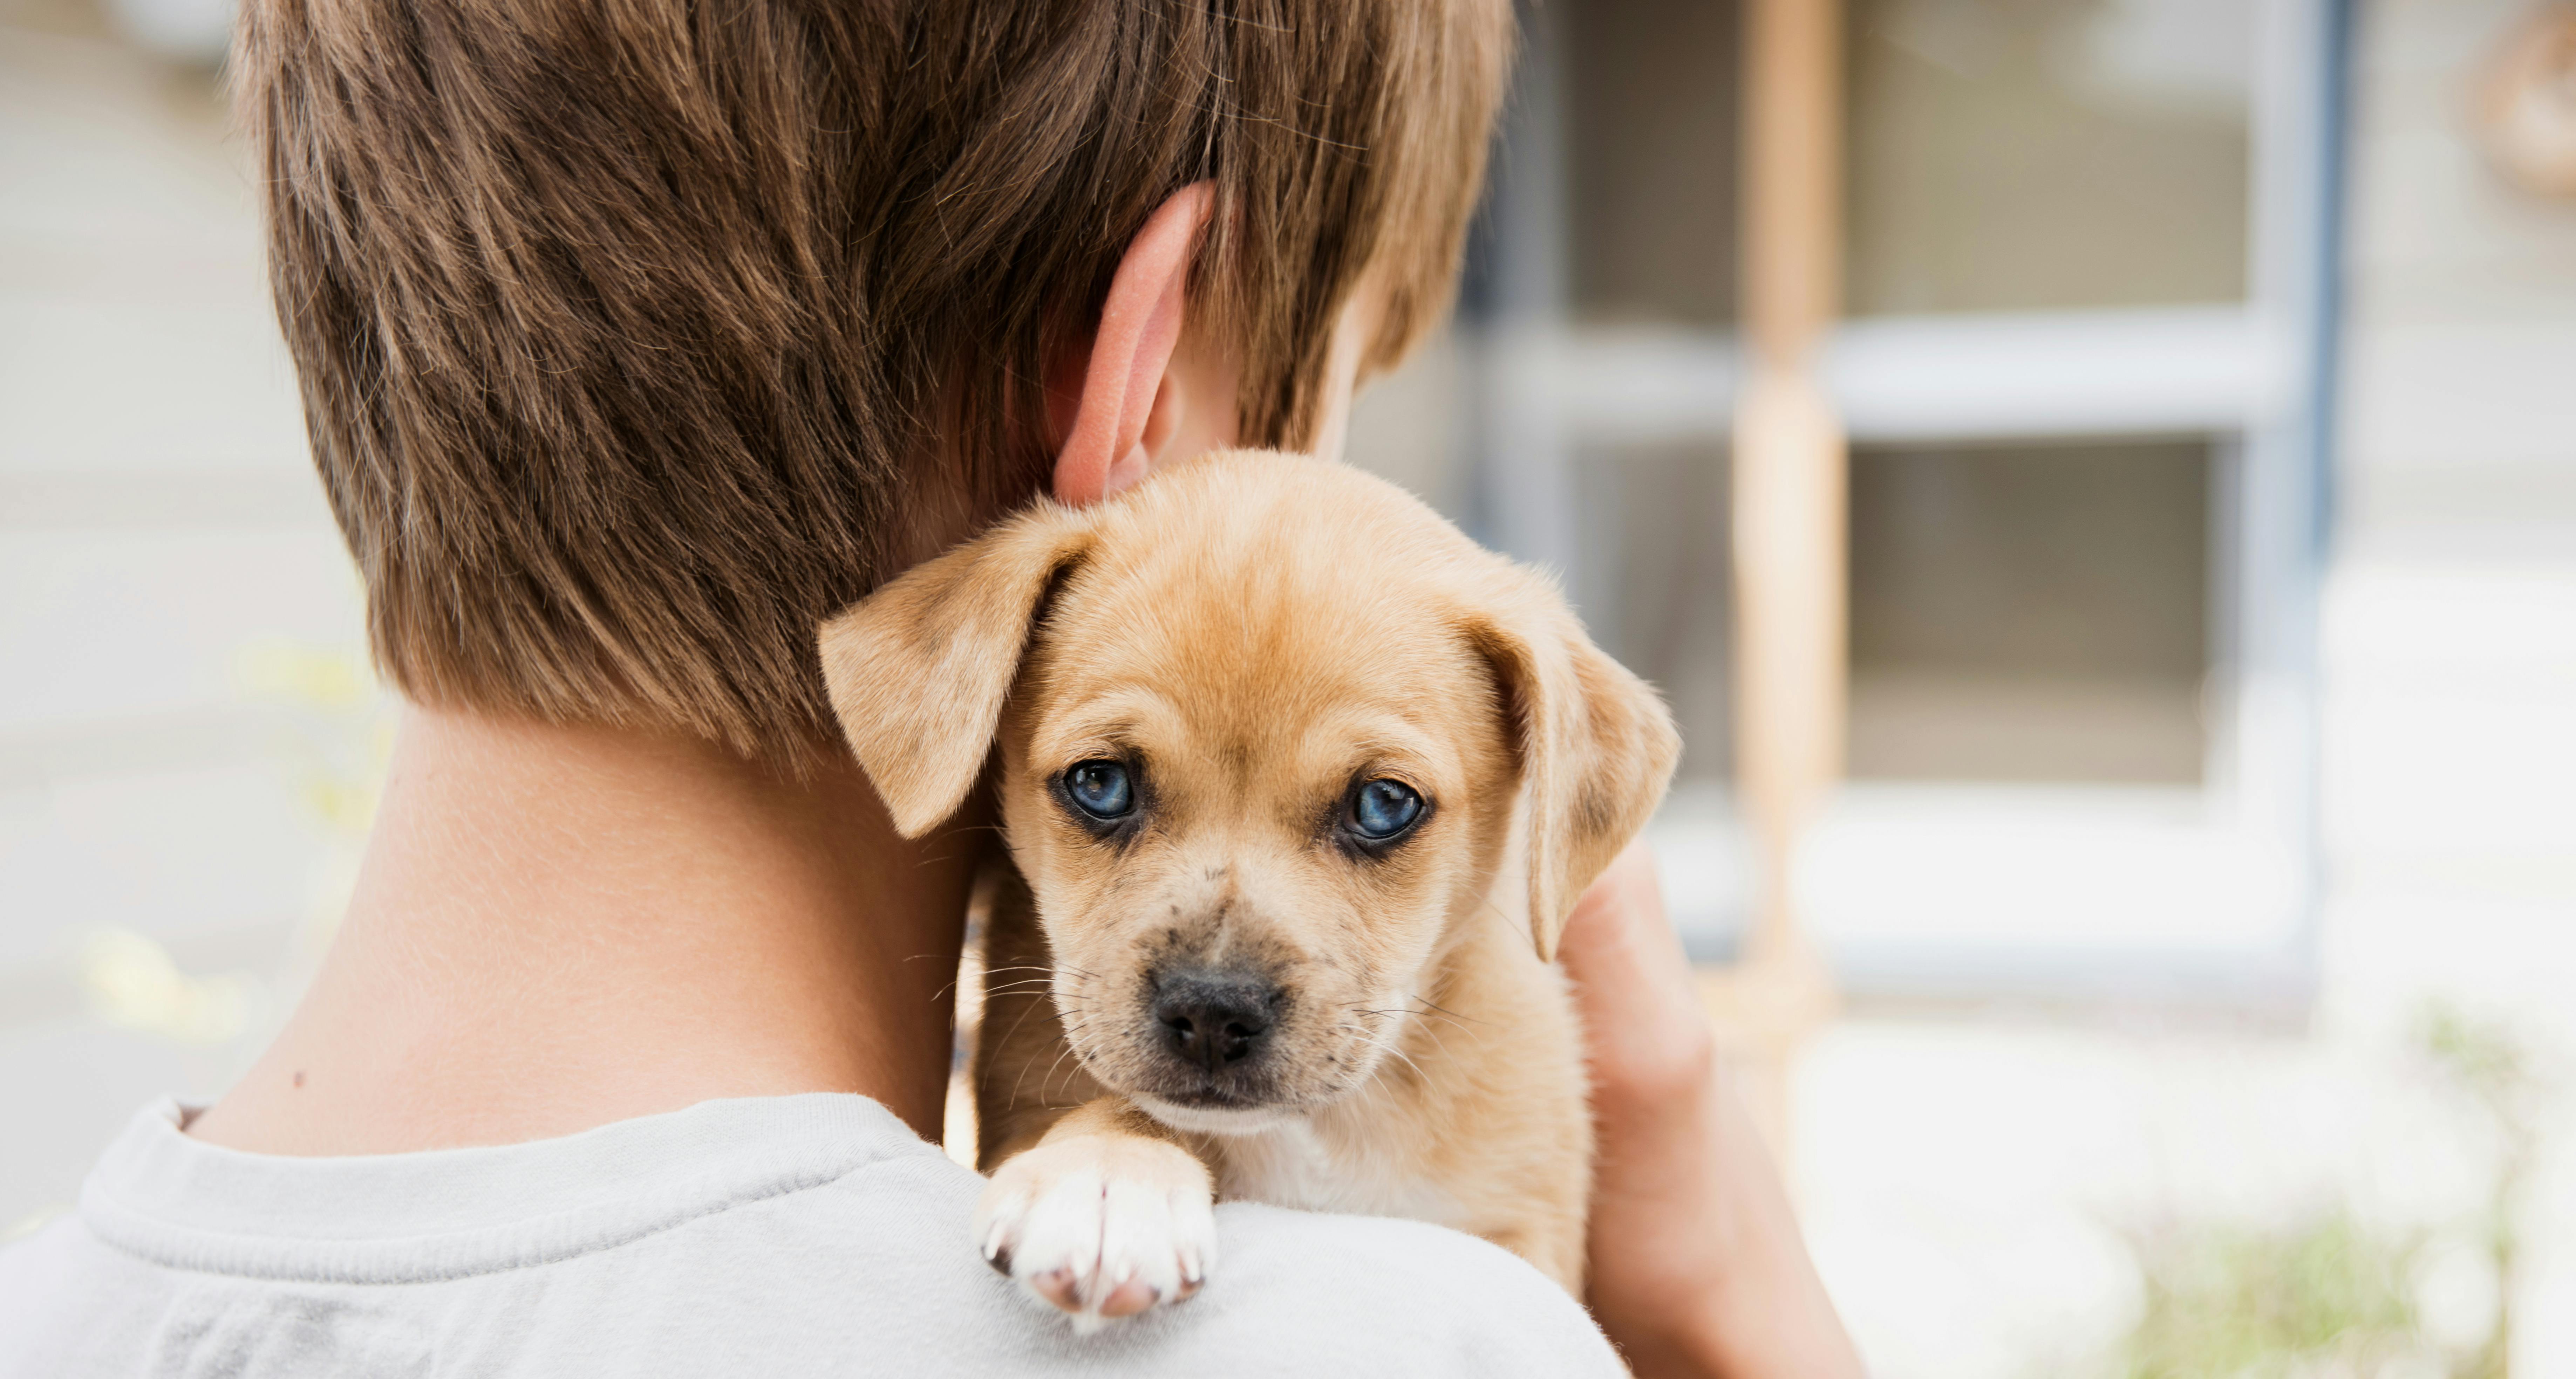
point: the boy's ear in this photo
(1595, 745)
(918, 670)
(1105, 446)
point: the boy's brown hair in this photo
(635, 338)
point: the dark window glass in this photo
(1651, 104)
(2030, 612)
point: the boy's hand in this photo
(1697, 1267)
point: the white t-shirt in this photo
(779, 1236)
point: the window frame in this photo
(2233, 862)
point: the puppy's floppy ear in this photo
(918, 670)
(1595, 745)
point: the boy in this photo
(636, 338)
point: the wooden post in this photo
(1789, 498)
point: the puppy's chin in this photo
(1215, 1120)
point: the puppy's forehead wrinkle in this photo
(1270, 556)
(1258, 670)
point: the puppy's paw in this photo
(1100, 1226)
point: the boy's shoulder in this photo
(881, 1263)
(869, 1268)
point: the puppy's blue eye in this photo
(1383, 809)
(1100, 789)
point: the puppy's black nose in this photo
(1213, 1018)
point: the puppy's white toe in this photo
(1100, 1227)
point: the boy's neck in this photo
(559, 927)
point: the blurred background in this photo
(2147, 928)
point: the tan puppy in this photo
(1302, 784)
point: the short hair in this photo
(637, 338)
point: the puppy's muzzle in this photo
(1218, 1022)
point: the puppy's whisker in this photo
(1053, 970)
(1388, 1049)
(1016, 1081)
(1435, 1034)
(1443, 1009)
(1014, 1033)
(1045, 1095)
(1514, 926)
(1392, 1052)
(1020, 986)
(1433, 1016)
(1061, 1054)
